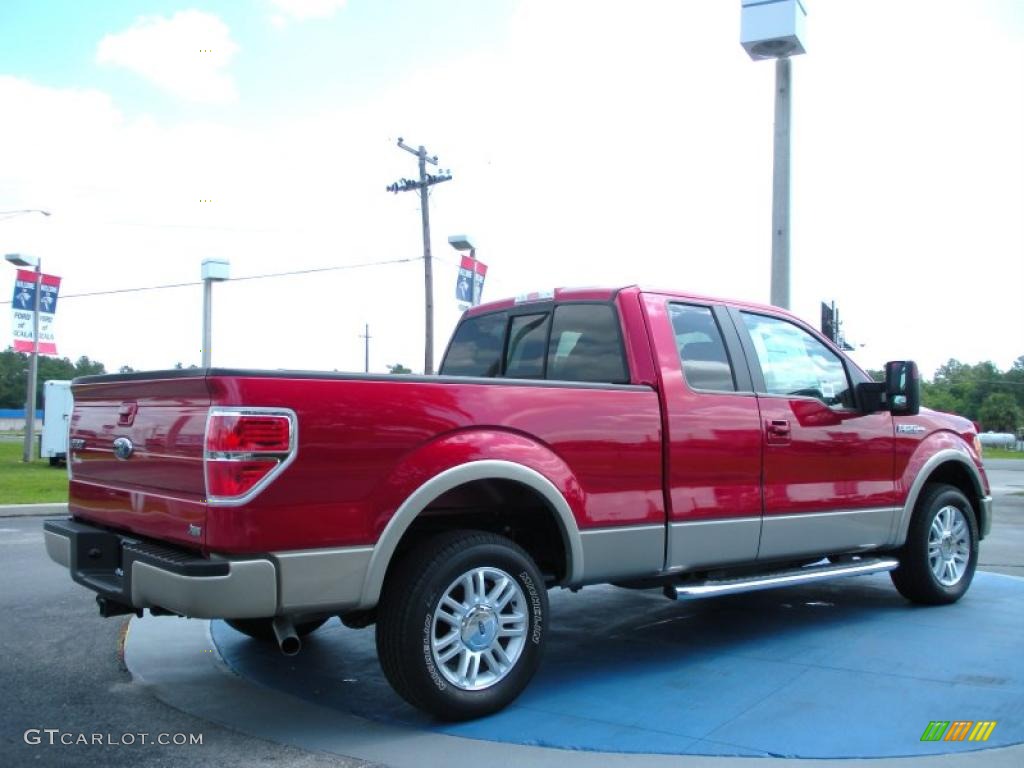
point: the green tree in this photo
(14, 375)
(1000, 413)
(940, 399)
(398, 368)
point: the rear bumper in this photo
(140, 574)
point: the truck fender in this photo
(921, 477)
(490, 469)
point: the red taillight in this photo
(229, 432)
(245, 448)
(226, 478)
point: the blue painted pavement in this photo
(842, 669)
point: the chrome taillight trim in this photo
(282, 459)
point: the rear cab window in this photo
(477, 346)
(701, 347)
(576, 342)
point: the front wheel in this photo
(460, 628)
(937, 561)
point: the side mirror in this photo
(903, 387)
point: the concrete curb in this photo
(33, 510)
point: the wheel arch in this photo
(465, 474)
(954, 468)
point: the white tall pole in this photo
(214, 270)
(207, 320)
(781, 183)
(33, 373)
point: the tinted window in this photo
(476, 348)
(795, 363)
(527, 340)
(586, 345)
(701, 348)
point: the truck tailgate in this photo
(135, 456)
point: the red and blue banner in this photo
(23, 306)
(470, 284)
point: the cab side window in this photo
(586, 345)
(795, 363)
(701, 347)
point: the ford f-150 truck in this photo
(648, 439)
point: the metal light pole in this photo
(33, 366)
(781, 171)
(775, 29)
(214, 270)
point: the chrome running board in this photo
(787, 578)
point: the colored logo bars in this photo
(958, 730)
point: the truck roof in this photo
(609, 294)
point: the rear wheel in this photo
(460, 627)
(260, 629)
(938, 560)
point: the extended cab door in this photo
(712, 436)
(828, 469)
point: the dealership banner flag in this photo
(22, 306)
(464, 291)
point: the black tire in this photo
(260, 629)
(410, 620)
(915, 578)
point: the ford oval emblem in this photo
(123, 448)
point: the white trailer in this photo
(57, 404)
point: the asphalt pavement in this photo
(62, 669)
(62, 665)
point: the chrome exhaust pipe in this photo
(287, 638)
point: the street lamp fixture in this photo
(214, 271)
(36, 263)
(776, 29)
(462, 243)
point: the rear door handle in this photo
(778, 431)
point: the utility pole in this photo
(366, 336)
(404, 185)
(780, 183)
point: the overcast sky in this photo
(591, 143)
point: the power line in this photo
(235, 279)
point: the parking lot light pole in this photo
(775, 29)
(214, 270)
(20, 260)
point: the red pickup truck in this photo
(648, 439)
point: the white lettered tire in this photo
(461, 624)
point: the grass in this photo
(36, 482)
(1001, 453)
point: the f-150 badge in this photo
(909, 429)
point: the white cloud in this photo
(302, 10)
(186, 54)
